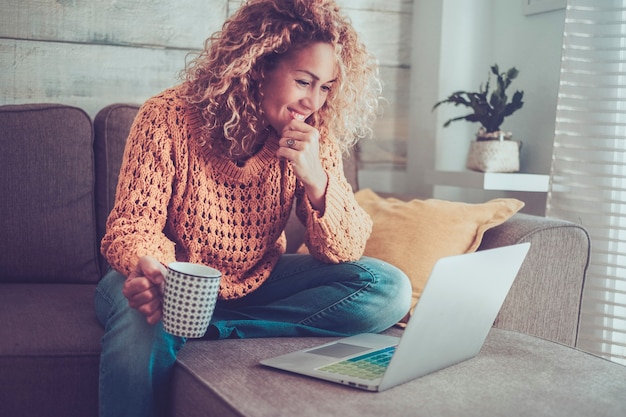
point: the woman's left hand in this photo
(300, 144)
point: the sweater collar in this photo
(253, 166)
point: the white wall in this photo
(532, 43)
(465, 38)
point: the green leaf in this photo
(488, 109)
(512, 73)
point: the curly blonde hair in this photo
(225, 78)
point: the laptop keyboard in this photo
(369, 366)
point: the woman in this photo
(210, 172)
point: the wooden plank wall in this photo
(90, 53)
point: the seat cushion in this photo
(513, 375)
(48, 228)
(49, 350)
(44, 319)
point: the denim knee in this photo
(389, 294)
(108, 295)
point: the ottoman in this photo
(513, 375)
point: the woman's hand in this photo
(144, 288)
(300, 144)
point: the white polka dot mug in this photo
(189, 298)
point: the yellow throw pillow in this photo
(413, 235)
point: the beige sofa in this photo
(59, 171)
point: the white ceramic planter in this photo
(494, 156)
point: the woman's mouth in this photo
(298, 116)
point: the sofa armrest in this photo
(545, 298)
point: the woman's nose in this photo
(314, 100)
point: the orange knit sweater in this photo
(177, 199)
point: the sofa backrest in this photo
(47, 214)
(112, 125)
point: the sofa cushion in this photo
(513, 375)
(112, 125)
(546, 301)
(413, 235)
(49, 350)
(47, 233)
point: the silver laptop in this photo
(449, 325)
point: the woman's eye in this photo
(303, 83)
(326, 88)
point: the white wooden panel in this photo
(82, 67)
(233, 5)
(181, 24)
(384, 27)
(404, 6)
(391, 131)
(386, 35)
(87, 76)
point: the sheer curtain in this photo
(589, 163)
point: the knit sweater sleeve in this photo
(135, 226)
(340, 233)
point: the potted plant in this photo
(494, 150)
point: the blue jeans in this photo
(302, 297)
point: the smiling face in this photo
(299, 84)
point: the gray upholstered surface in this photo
(514, 375)
(553, 270)
(111, 126)
(47, 232)
(49, 350)
(43, 319)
